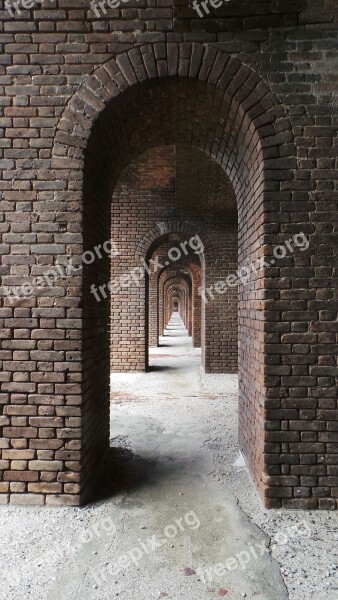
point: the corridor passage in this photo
(174, 429)
(175, 353)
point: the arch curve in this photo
(169, 227)
(201, 61)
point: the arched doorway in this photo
(214, 103)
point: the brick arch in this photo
(181, 295)
(159, 247)
(146, 63)
(167, 228)
(183, 280)
(194, 271)
(140, 100)
(183, 285)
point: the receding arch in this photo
(183, 283)
(164, 94)
(176, 234)
(193, 270)
(169, 227)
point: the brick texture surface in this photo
(252, 89)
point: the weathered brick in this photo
(273, 136)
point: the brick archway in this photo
(173, 227)
(251, 132)
(183, 283)
(155, 246)
(231, 115)
(193, 271)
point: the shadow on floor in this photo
(124, 471)
(161, 368)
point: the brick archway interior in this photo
(178, 286)
(129, 117)
(128, 150)
(173, 206)
(187, 268)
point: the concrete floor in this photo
(181, 518)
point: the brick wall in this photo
(252, 88)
